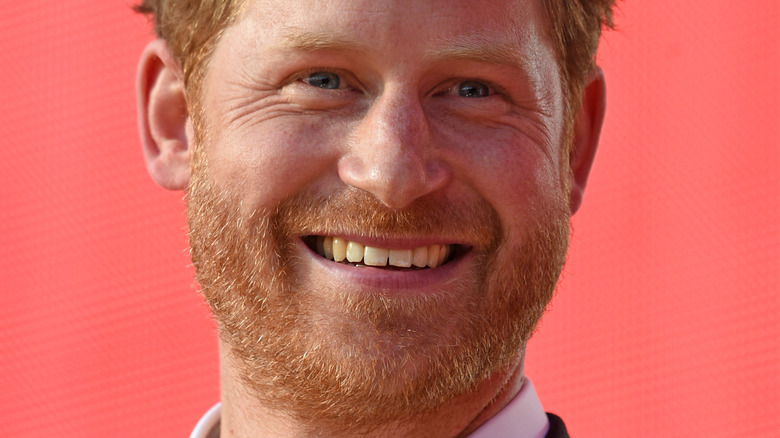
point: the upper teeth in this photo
(340, 249)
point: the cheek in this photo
(501, 161)
(270, 161)
(518, 176)
(526, 192)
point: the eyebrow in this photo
(475, 47)
(309, 41)
(489, 52)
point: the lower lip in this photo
(403, 282)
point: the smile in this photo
(339, 249)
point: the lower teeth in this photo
(388, 267)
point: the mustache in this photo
(355, 212)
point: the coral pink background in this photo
(666, 324)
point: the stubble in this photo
(358, 360)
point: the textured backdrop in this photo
(667, 322)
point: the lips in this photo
(340, 249)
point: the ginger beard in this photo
(356, 359)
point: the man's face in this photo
(427, 133)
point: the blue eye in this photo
(473, 89)
(323, 79)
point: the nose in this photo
(391, 152)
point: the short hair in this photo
(192, 27)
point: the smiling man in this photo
(378, 198)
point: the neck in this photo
(243, 415)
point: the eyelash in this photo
(494, 90)
(346, 80)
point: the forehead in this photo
(423, 26)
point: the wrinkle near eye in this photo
(250, 110)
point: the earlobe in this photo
(162, 117)
(587, 128)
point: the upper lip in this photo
(393, 242)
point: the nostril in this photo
(397, 183)
(394, 160)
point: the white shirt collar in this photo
(523, 417)
(208, 425)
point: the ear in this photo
(587, 128)
(162, 117)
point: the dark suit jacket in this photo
(557, 428)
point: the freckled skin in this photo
(392, 97)
(400, 132)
